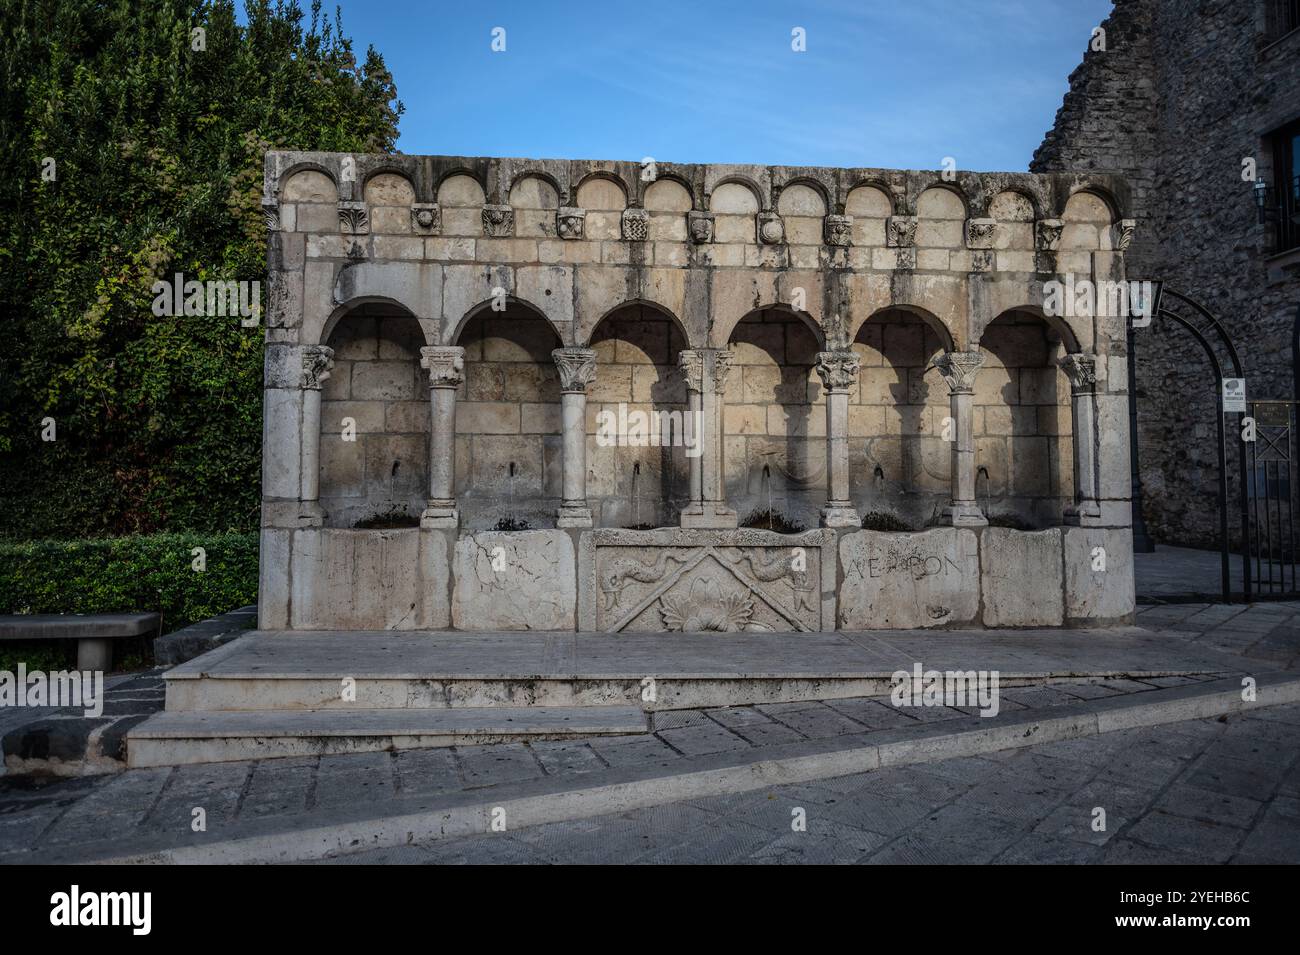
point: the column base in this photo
(840, 514)
(440, 515)
(573, 515)
(1083, 514)
(709, 515)
(965, 514)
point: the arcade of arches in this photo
(782, 399)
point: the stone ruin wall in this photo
(1182, 93)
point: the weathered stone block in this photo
(900, 581)
(369, 579)
(1021, 578)
(523, 580)
(1099, 575)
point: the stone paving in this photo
(84, 812)
(1214, 791)
(146, 803)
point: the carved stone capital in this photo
(900, 232)
(577, 367)
(700, 225)
(1082, 371)
(838, 230)
(771, 230)
(354, 217)
(1124, 230)
(721, 368)
(445, 364)
(838, 369)
(271, 213)
(703, 367)
(498, 221)
(691, 363)
(1047, 234)
(317, 362)
(426, 218)
(570, 222)
(636, 225)
(981, 233)
(958, 369)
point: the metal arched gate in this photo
(1265, 435)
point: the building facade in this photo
(508, 394)
(1197, 105)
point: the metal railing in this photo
(1283, 17)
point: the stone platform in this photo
(284, 693)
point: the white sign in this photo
(1234, 394)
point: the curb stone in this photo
(556, 800)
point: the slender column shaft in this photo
(958, 370)
(838, 370)
(1082, 372)
(577, 368)
(446, 367)
(705, 370)
(317, 363)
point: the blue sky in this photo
(889, 83)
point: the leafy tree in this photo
(155, 115)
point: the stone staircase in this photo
(281, 693)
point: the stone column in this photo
(705, 370)
(838, 371)
(577, 367)
(317, 362)
(446, 365)
(1082, 372)
(958, 369)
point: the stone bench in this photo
(94, 633)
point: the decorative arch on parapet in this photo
(866, 203)
(514, 305)
(452, 172)
(810, 182)
(1089, 187)
(760, 197)
(385, 168)
(291, 172)
(927, 317)
(601, 175)
(643, 189)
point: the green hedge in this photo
(140, 573)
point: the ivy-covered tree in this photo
(132, 134)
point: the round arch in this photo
(637, 303)
(925, 315)
(453, 337)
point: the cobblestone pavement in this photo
(151, 803)
(155, 802)
(1206, 791)
(1268, 632)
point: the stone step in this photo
(269, 670)
(176, 738)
